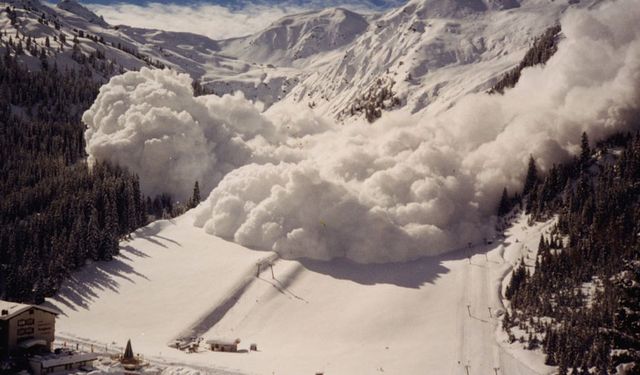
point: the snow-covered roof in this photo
(30, 343)
(14, 308)
(62, 359)
(223, 341)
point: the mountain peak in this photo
(455, 8)
(300, 36)
(72, 6)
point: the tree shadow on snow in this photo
(150, 232)
(83, 287)
(133, 251)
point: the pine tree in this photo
(506, 322)
(585, 152)
(93, 237)
(532, 177)
(139, 202)
(132, 213)
(504, 205)
(55, 213)
(109, 240)
(78, 242)
(195, 197)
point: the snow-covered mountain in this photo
(424, 52)
(432, 51)
(299, 37)
(428, 52)
(80, 39)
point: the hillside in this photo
(577, 299)
(80, 39)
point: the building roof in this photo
(128, 352)
(51, 360)
(223, 341)
(15, 308)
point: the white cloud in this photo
(214, 21)
(402, 188)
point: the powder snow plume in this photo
(405, 187)
(150, 122)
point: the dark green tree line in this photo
(55, 211)
(583, 300)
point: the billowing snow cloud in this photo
(150, 122)
(402, 188)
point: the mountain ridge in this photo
(431, 52)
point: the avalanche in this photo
(320, 227)
(405, 187)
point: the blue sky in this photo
(218, 19)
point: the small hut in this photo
(223, 345)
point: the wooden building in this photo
(223, 345)
(25, 328)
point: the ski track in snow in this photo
(479, 353)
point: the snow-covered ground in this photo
(165, 282)
(172, 280)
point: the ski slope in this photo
(172, 280)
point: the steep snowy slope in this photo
(30, 22)
(430, 52)
(299, 36)
(70, 36)
(80, 39)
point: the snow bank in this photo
(402, 188)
